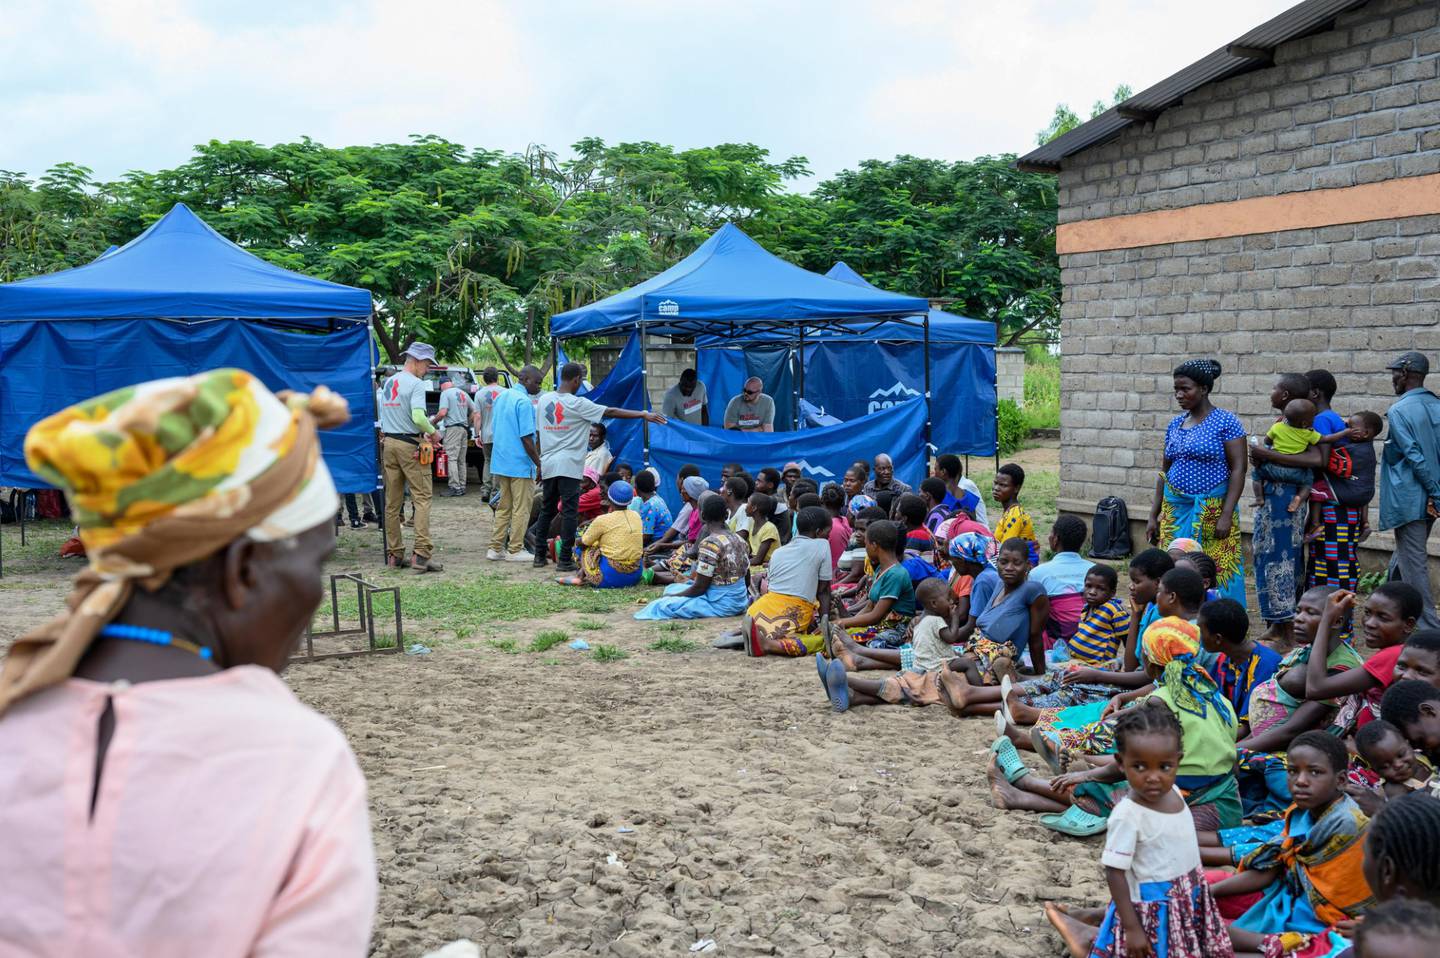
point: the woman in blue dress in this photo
(1199, 486)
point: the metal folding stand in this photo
(365, 593)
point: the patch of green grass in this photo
(677, 627)
(1042, 489)
(508, 646)
(673, 645)
(1042, 393)
(549, 661)
(384, 641)
(547, 640)
(609, 653)
(590, 625)
(464, 607)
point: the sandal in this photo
(822, 665)
(1053, 755)
(1074, 821)
(1008, 759)
(837, 687)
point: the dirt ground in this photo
(549, 803)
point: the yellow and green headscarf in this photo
(1174, 643)
(161, 475)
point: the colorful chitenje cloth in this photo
(164, 474)
(787, 620)
(1321, 881)
(1184, 516)
(1277, 541)
(1334, 558)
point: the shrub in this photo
(1011, 427)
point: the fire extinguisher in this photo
(442, 463)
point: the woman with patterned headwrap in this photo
(163, 790)
(1199, 486)
(1079, 802)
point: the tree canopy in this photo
(461, 245)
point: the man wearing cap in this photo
(406, 428)
(752, 410)
(686, 401)
(564, 420)
(454, 418)
(1410, 475)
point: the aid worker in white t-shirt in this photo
(564, 420)
(484, 422)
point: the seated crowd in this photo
(1254, 798)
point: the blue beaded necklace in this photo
(137, 633)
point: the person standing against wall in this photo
(406, 428)
(1410, 476)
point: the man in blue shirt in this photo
(514, 462)
(1410, 475)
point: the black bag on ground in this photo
(1110, 532)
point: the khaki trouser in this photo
(401, 467)
(513, 513)
(456, 439)
(487, 478)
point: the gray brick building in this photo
(1275, 206)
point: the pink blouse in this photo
(231, 821)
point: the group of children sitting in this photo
(1256, 800)
(1163, 723)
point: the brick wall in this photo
(1010, 374)
(666, 365)
(1357, 104)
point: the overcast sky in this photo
(133, 84)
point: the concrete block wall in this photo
(1010, 374)
(1357, 104)
(664, 369)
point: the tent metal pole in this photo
(996, 367)
(645, 385)
(799, 380)
(926, 359)
(378, 497)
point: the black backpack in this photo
(1110, 533)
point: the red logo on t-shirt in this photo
(395, 388)
(555, 413)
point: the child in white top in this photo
(1151, 858)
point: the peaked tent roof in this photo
(731, 279)
(944, 327)
(180, 268)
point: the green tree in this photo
(1065, 119)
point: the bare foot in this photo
(1078, 937)
(1020, 737)
(1297, 502)
(1023, 714)
(1003, 667)
(1002, 794)
(960, 692)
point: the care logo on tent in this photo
(668, 307)
(815, 470)
(890, 396)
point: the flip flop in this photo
(1000, 724)
(837, 687)
(822, 665)
(1007, 757)
(1074, 821)
(1047, 750)
(1005, 688)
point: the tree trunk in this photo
(384, 331)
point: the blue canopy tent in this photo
(733, 288)
(176, 300)
(892, 356)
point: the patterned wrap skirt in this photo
(788, 621)
(1183, 516)
(1180, 917)
(1277, 540)
(599, 572)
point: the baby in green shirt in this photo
(1290, 436)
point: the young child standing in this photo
(1290, 436)
(1160, 903)
(1015, 522)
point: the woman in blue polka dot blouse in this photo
(1199, 487)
